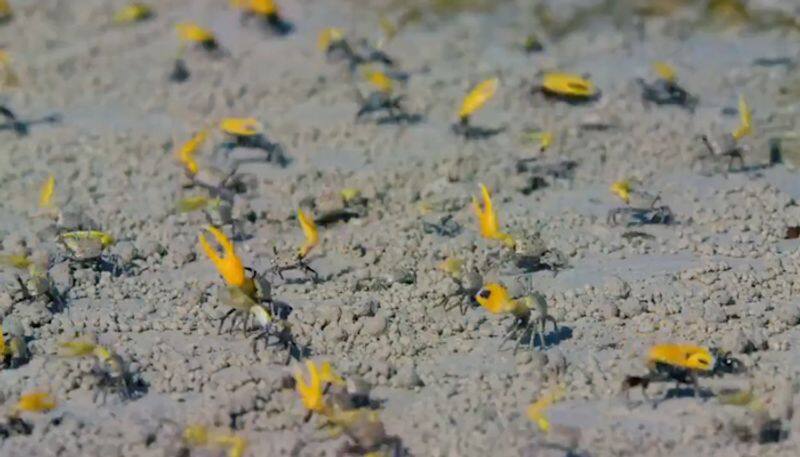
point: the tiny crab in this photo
(86, 247)
(641, 207)
(727, 144)
(475, 99)
(665, 90)
(529, 311)
(381, 99)
(468, 283)
(195, 436)
(567, 87)
(249, 133)
(13, 350)
(683, 364)
(311, 234)
(38, 283)
(267, 13)
(365, 431)
(191, 33)
(110, 369)
(133, 12)
(530, 254)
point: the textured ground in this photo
(722, 275)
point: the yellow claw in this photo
(77, 348)
(745, 119)
(379, 79)
(452, 266)
(568, 85)
(229, 265)
(309, 230)
(133, 12)
(682, 355)
(328, 36)
(187, 151)
(195, 435)
(241, 126)
(665, 71)
(536, 411)
(478, 97)
(311, 392)
(328, 376)
(236, 444)
(622, 189)
(494, 297)
(487, 219)
(192, 33)
(18, 261)
(35, 402)
(46, 192)
(263, 7)
(105, 239)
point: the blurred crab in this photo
(266, 12)
(727, 144)
(381, 99)
(475, 99)
(683, 364)
(110, 369)
(468, 283)
(567, 87)
(311, 234)
(640, 209)
(37, 285)
(199, 436)
(249, 133)
(13, 350)
(31, 402)
(133, 12)
(86, 247)
(333, 43)
(530, 253)
(191, 33)
(529, 311)
(665, 90)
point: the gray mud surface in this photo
(722, 275)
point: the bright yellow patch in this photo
(263, 7)
(229, 264)
(187, 151)
(133, 12)
(35, 402)
(379, 80)
(192, 33)
(328, 376)
(310, 392)
(104, 238)
(18, 261)
(478, 97)
(569, 85)
(349, 194)
(665, 71)
(309, 230)
(683, 356)
(487, 219)
(495, 298)
(328, 36)
(77, 348)
(536, 411)
(46, 192)
(189, 204)
(622, 189)
(745, 119)
(241, 126)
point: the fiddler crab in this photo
(475, 100)
(468, 283)
(323, 393)
(13, 350)
(683, 364)
(110, 370)
(382, 100)
(529, 311)
(665, 90)
(249, 133)
(333, 43)
(300, 262)
(726, 145)
(31, 402)
(641, 207)
(567, 87)
(190, 33)
(267, 13)
(37, 285)
(248, 295)
(86, 248)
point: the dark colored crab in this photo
(724, 145)
(666, 92)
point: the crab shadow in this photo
(688, 392)
(551, 339)
(22, 127)
(470, 132)
(402, 118)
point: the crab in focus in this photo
(468, 283)
(267, 13)
(249, 133)
(86, 248)
(110, 369)
(726, 145)
(665, 90)
(475, 100)
(529, 311)
(640, 207)
(683, 364)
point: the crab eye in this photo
(484, 293)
